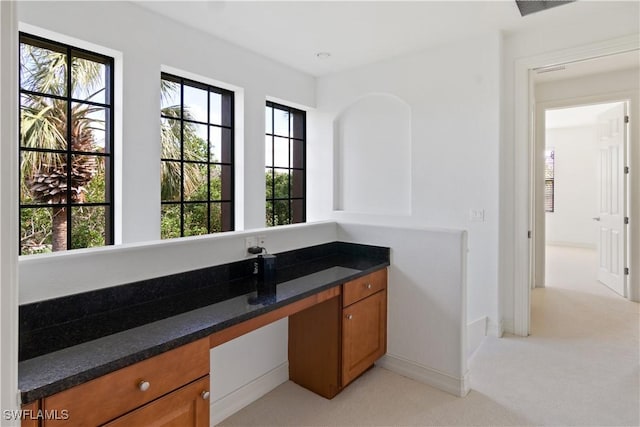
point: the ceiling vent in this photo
(532, 6)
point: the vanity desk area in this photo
(106, 367)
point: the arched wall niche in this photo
(372, 149)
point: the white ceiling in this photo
(360, 32)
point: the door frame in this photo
(9, 393)
(524, 141)
(538, 242)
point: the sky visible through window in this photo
(280, 127)
(93, 92)
(195, 102)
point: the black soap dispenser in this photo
(266, 275)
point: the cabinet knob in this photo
(144, 385)
(368, 285)
(204, 394)
(349, 316)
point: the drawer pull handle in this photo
(144, 385)
(349, 316)
(204, 394)
(368, 285)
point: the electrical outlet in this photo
(250, 242)
(476, 215)
(262, 241)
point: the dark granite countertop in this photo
(58, 370)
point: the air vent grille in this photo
(532, 6)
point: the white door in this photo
(611, 198)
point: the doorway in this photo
(584, 202)
(527, 72)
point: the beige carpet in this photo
(579, 367)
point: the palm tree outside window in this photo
(66, 147)
(196, 158)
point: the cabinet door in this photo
(30, 415)
(364, 335)
(185, 407)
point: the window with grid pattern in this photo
(197, 158)
(285, 162)
(549, 180)
(66, 147)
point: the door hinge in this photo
(626, 271)
(626, 220)
(626, 119)
(529, 234)
(626, 169)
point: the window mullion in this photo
(273, 170)
(69, 150)
(182, 158)
(289, 176)
(208, 178)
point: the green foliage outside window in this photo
(277, 210)
(55, 118)
(191, 171)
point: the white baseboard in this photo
(476, 331)
(495, 329)
(248, 393)
(507, 326)
(440, 380)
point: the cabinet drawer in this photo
(186, 407)
(102, 399)
(364, 286)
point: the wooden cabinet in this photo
(332, 343)
(334, 336)
(364, 335)
(108, 397)
(314, 348)
(30, 414)
(187, 406)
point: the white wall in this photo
(50, 275)
(373, 156)
(611, 83)
(453, 92)
(576, 192)
(618, 21)
(426, 301)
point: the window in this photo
(285, 160)
(549, 180)
(197, 158)
(66, 147)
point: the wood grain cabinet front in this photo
(364, 335)
(106, 398)
(334, 342)
(30, 414)
(186, 407)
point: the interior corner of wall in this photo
(495, 329)
(507, 327)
